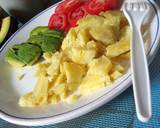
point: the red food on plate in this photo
(58, 21)
(67, 28)
(76, 14)
(68, 12)
(67, 5)
(95, 6)
(112, 4)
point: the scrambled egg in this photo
(93, 55)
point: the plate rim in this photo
(80, 110)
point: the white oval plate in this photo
(11, 88)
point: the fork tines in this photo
(140, 5)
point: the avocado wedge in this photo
(13, 59)
(47, 40)
(38, 30)
(23, 54)
(28, 53)
(4, 28)
(41, 40)
(47, 43)
(44, 30)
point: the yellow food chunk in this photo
(90, 21)
(74, 72)
(70, 39)
(115, 75)
(53, 99)
(83, 37)
(72, 86)
(91, 83)
(112, 17)
(122, 58)
(118, 48)
(115, 17)
(125, 33)
(48, 56)
(108, 80)
(40, 92)
(73, 98)
(91, 45)
(98, 29)
(82, 55)
(60, 79)
(100, 66)
(41, 70)
(53, 69)
(125, 56)
(58, 84)
(39, 95)
(64, 95)
(101, 49)
(59, 88)
(119, 68)
(104, 34)
(27, 100)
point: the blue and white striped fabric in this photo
(119, 113)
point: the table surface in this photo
(119, 113)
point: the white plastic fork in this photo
(135, 11)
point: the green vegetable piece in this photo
(47, 43)
(41, 39)
(54, 33)
(28, 53)
(38, 30)
(5, 24)
(48, 40)
(51, 45)
(36, 39)
(13, 59)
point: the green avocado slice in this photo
(36, 39)
(23, 54)
(13, 59)
(51, 45)
(28, 53)
(4, 28)
(47, 43)
(38, 30)
(54, 33)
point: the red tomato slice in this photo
(95, 6)
(67, 28)
(76, 14)
(67, 5)
(112, 4)
(58, 21)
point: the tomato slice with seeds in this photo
(58, 21)
(67, 5)
(95, 6)
(76, 14)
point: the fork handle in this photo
(140, 78)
